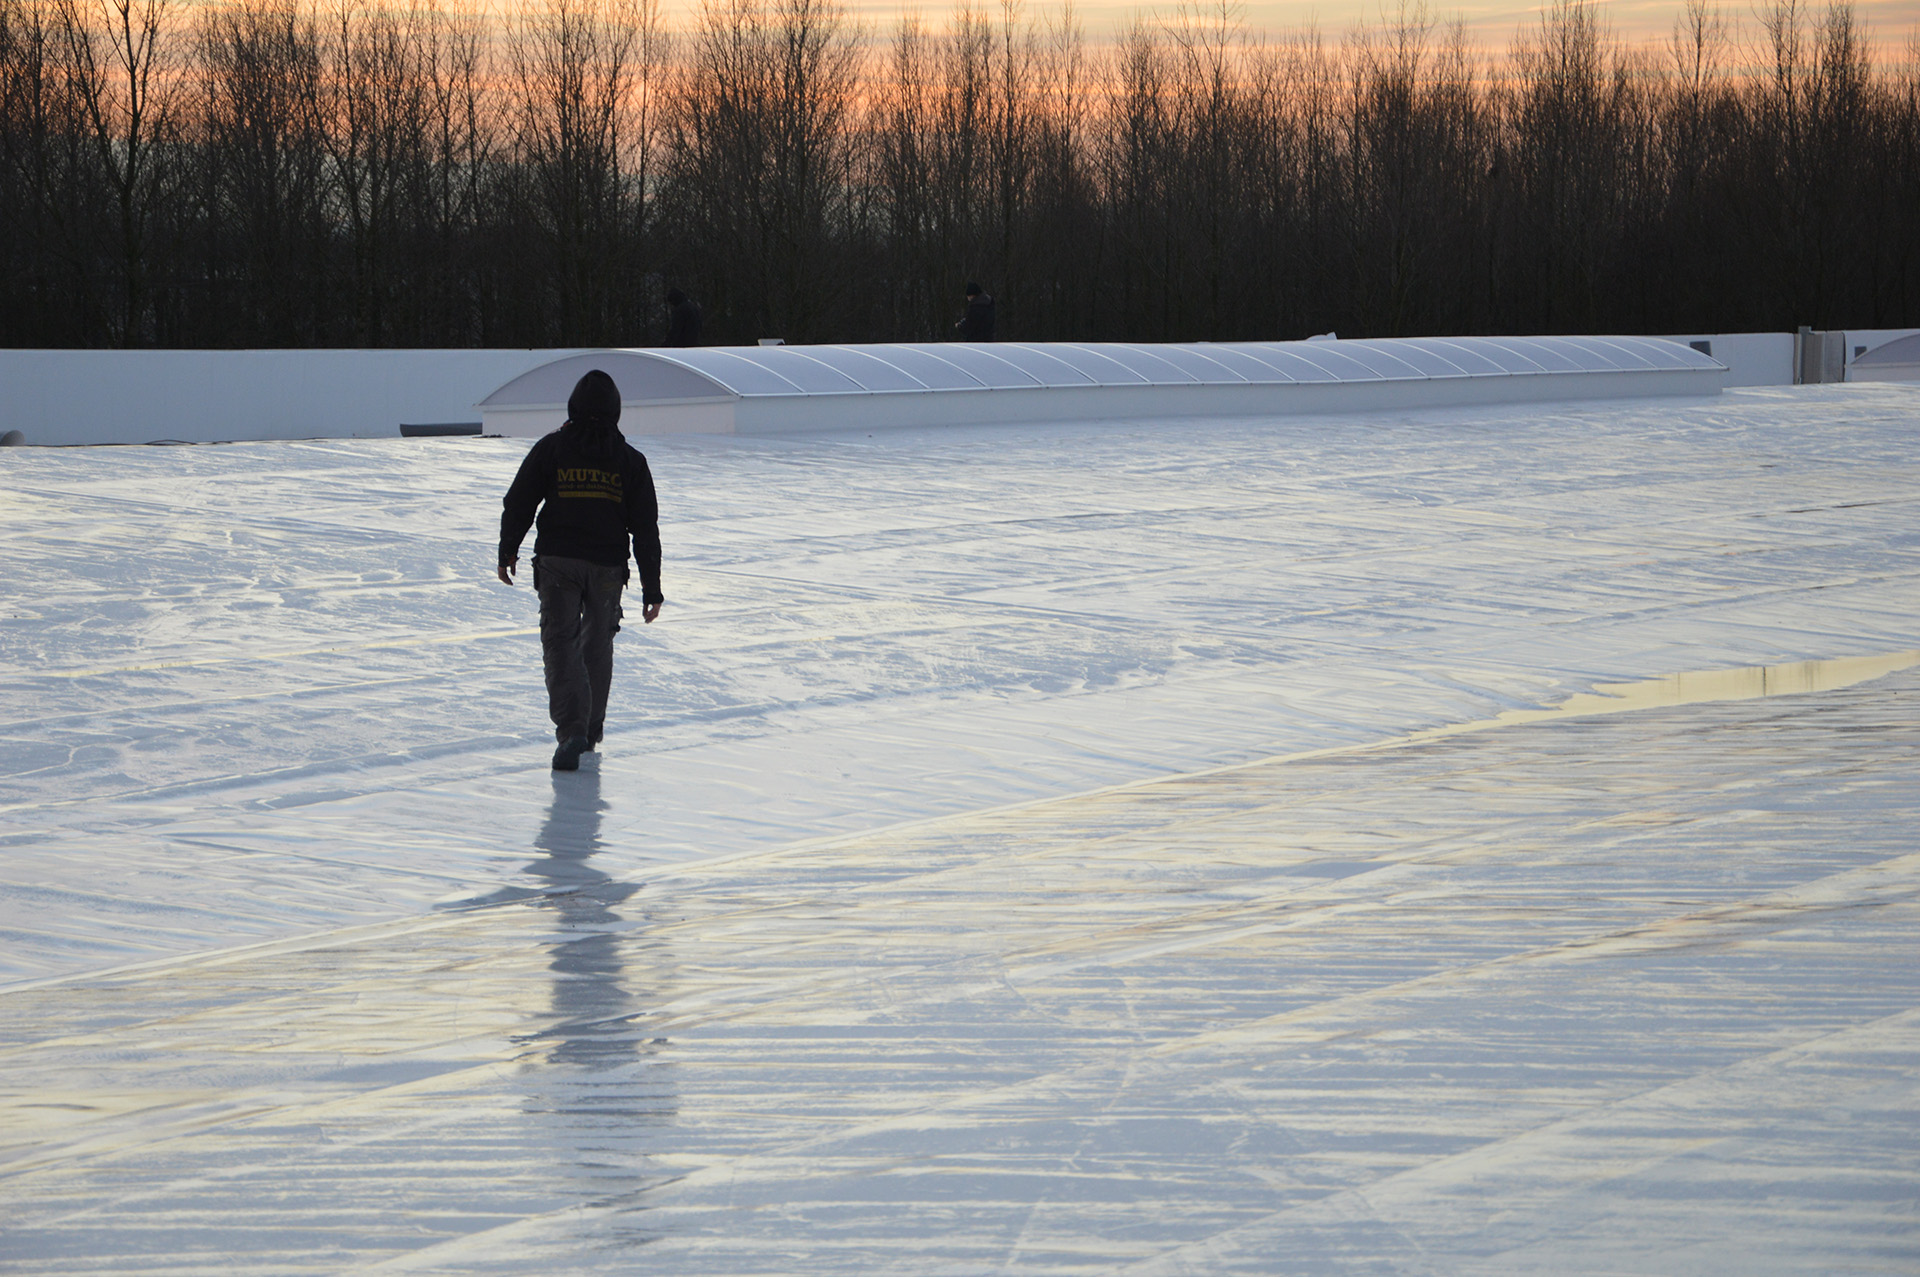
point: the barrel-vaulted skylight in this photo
(767, 388)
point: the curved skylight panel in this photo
(1244, 367)
(1157, 368)
(1549, 355)
(812, 376)
(1425, 360)
(1900, 351)
(927, 367)
(538, 385)
(1642, 354)
(974, 360)
(1094, 364)
(1662, 354)
(1282, 361)
(1337, 366)
(1042, 366)
(864, 366)
(1510, 358)
(1471, 360)
(1596, 355)
(1200, 363)
(741, 376)
(1584, 354)
(1382, 358)
(1614, 354)
(638, 377)
(1213, 368)
(644, 377)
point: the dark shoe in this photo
(567, 757)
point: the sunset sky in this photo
(1490, 22)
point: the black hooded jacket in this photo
(977, 324)
(684, 328)
(594, 492)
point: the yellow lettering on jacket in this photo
(586, 483)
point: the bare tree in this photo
(1063, 260)
(761, 161)
(459, 150)
(118, 72)
(1137, 140)
(375, 101)
(1565, 114)
(580, 75)
(45, 190)
(1209, 119)
(903, 175)
(1011, 156)
(266, 143)
(388, 171)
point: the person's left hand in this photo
(648, 612)
(507, 571)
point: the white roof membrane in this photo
(954, 852)
(760, 388)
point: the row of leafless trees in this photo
(348, 172)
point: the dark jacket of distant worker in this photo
(683, 328)
(594, 493)
(977, 323)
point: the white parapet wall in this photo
(215, 396)
(1752, 359)
(1780, 359)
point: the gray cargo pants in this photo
(579, 615)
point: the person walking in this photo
(977, 323)
(593, 492)
(683, 324)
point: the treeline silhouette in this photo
(335, 172)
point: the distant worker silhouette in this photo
(977, 323)
(683, 328)
(593, 492)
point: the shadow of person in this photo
(591, 1008)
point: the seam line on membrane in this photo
(1750, 682)
(1698, 687)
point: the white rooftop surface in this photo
(1031, 850)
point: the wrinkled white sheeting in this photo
(311, 963)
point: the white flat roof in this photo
(1028, 851)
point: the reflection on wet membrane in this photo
(1458, 1001)
(600, 1110)
(1694, 688)
(590, 1007)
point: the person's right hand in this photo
(507, 570)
